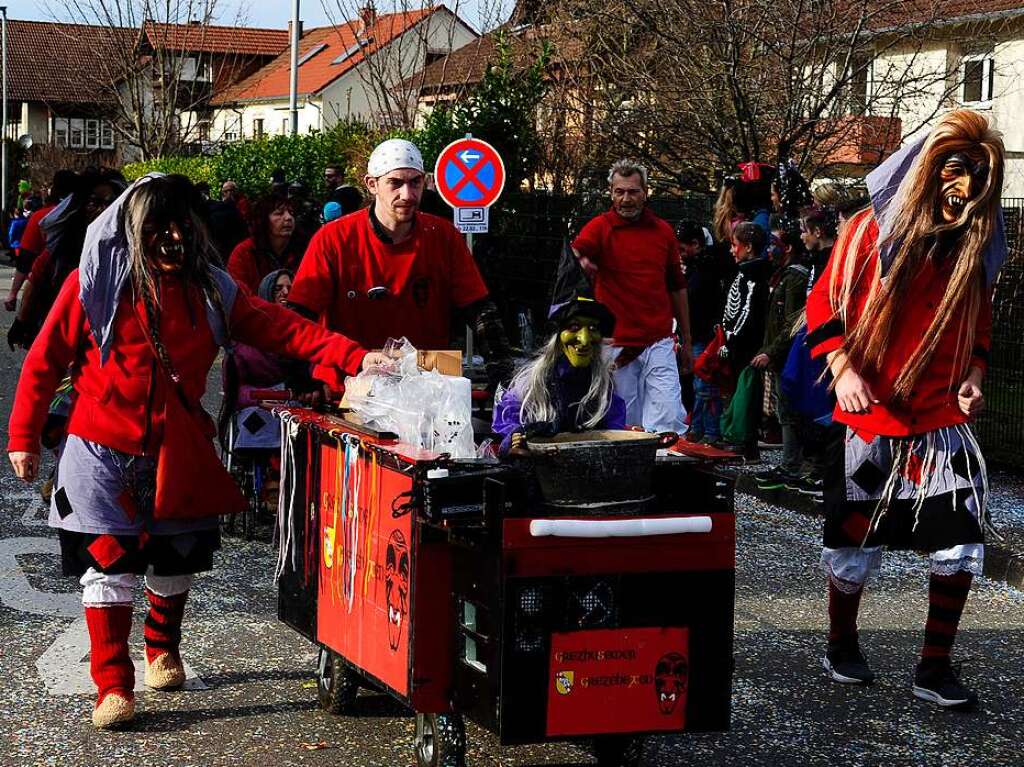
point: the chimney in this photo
(368, 15)
(290, 29)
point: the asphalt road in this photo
(253, 700)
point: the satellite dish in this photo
(25, 141)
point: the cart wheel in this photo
(337, 683)
(440, 740)
(618, 751)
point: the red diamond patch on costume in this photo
(128, 504)
(912, 470)
(106, 550)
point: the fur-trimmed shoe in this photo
(165, 672)
(114, 710)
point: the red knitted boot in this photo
(111, 665)
(164, 670)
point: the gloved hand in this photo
(539, 429)
(723, 352)
(20, 334)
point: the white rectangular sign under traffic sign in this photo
(472, 220)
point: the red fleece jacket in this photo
(120, 404)
(933, 402)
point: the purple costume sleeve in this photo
(506, 420)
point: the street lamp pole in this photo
(293, 96)
(3, 150)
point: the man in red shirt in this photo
(32, 241)
(390, 270)
(633, 258)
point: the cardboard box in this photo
(445, 361)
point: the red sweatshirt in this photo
(933, 402)
(248, 266)
(121, 404)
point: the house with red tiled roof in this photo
(52, 94)
(63, 79)
(356, 70)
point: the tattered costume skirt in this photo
(102, 507)
(926, 492)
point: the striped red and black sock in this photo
(163, 624)
(947, 595)
(109, 662)
(842, 614)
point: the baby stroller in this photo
(253, 458)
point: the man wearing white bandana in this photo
(390, 270)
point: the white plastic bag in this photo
(425, 409)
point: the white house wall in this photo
(276, 117)
(919, 111)
(924, 68)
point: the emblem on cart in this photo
(564, 681)
(328, 547)
(396, 585)
(670, 677)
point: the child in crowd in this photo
(788, 296)
(706, 281)
(744, 315)
(818, 233)
(745, 303)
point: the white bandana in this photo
(393, 154)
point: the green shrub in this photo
(196, 169)
(302, 158)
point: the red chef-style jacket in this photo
(933, 401)
(426, 276)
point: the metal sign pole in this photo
(469, 329)
(3, 158)
(293, 81)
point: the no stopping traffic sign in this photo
(469, 174)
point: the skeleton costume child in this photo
(145, 282)
(903, 314)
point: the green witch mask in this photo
(581, 340)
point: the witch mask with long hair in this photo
(937, 198)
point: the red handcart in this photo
(462, 591)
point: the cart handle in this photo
(272, 395)
(618, 528)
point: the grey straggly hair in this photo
(532, 384)
(627, 168)
(200, 255)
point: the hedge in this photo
(251, 163)
(195, 168)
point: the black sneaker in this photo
(939, 683)
(846, 664)
(807, 485)
(771, 479)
